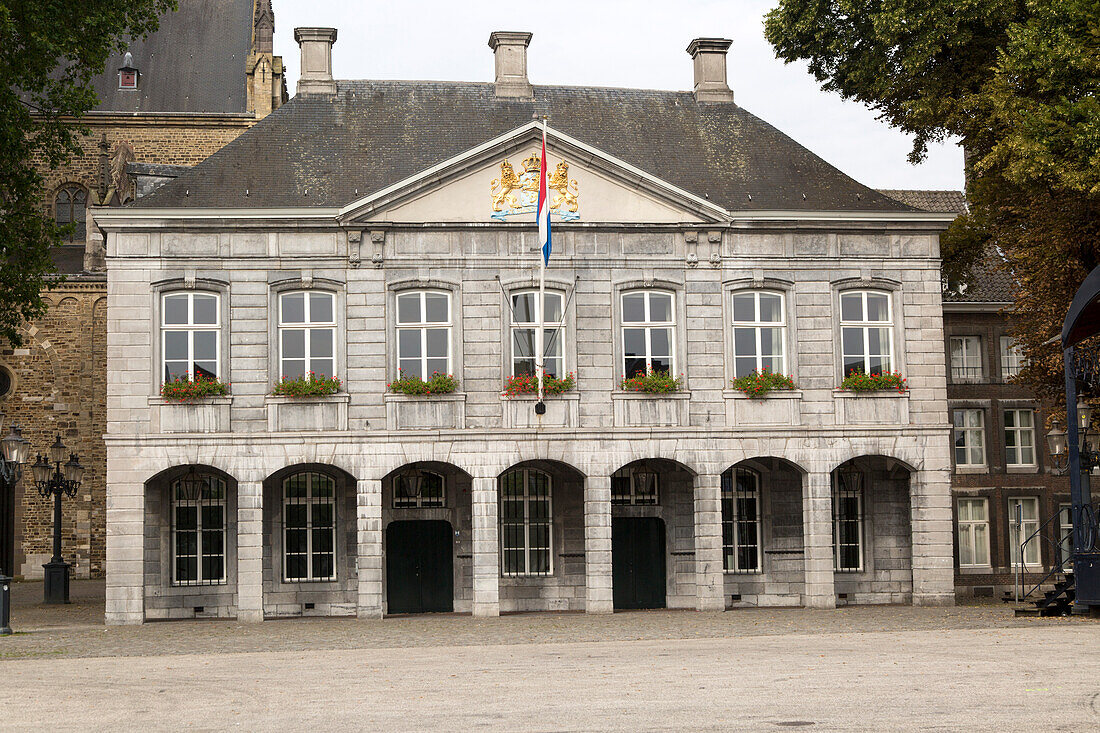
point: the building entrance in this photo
(638, 562)
(419, 572)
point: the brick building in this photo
(207, 75)
(390, 230)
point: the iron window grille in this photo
(525, 324)
(198, 530)
(71, 207)
(973, 526)
(848, 521)
(424, 333)
(422, 489)
(648, 332)
(309, 527)
(525, 523)
(635, 487)
(307, 334)
(866, 332)
(741, 522)
(1020, 438)
(759, 330)
(190, 335)
(966, 358)
(969, 437)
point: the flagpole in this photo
(540, 360)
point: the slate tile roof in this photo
(317, 151)
(927, 200)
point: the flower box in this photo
(644, 410)
(425, 412)
(561, 411)
(778, 407)
(208, 415)
(888, 407)
(306, 414)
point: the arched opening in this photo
(190, 541)
(427, 516)
(540, 511)
(872, 534)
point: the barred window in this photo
(758, 333)
(525, 523)
(741, 521)
(417, 489)
(648, 338)
(636, 487)
(190, 335)
(309, 527)
(307, 334)
(198, 530)
(847, 521)
(866, 330)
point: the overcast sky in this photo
(639, 43)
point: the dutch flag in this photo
(544, 205)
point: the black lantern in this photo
(410, 484)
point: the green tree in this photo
(49, 54)
(1018, 82)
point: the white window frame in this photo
(1023, 437)
(865, 326)
(549, 328)
(973, 532)
(1033, 557)
(1012, 358)
(423, 326)
(735, 524)
(527, 499)
(1065, 533)
(310, 501)
(190, 328)
(968, 366)
(840, 492)
(308, 326)
(649, 326)
(757, 326)
(968, 433)
(200, 534)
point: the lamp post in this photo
(54, 478)
(13, 452)
(1086, 444)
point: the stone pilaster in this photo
(250, 551)
(709, 581)
(486, 547)
(125, 590)
(369, 543)
(930, 517)
(597, 545)
(817, 539)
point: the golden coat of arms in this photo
(513, 193)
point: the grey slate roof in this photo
(316, 151)
(939, 201)
(194, 63)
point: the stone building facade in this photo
(177, 114)
(392, 231)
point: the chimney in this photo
(510, 54)
(315, 76)
(709, 55)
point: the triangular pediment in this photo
(498, 181)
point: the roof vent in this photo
(510, 57)
(316, 70)
(127, 74)
(709, 55)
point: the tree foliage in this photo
(1018, 82)
(49, 54)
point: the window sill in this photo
(218, 400)
(208, 415)
(561, 411)
(302, 414)
(743, 573)
(878, 407)
(1021, 469)
(970, 470)
(425, 412)
(975, 570)
(650, 410)
(778, 407)
(273, 399)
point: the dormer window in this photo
(127, 74)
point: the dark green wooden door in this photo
(419, 574)
(638, 562)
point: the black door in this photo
(638, 562)
(419, 577)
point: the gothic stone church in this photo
(374, 230)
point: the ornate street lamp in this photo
(410, 483)
(13, 453)
(54, 478)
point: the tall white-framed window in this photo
(307, 334)
(1012, 357)
(190, 335)
(422, 490)
(198, 533)
(969, 437)
(525, 523)
(1065, 533)
(424, 333)
(525, 318)
(309, 527)
(634, 487)
(1020, 437)
(649, 324)
(866, 332)
(973, 526)
(847, 521)
(966, 358)
(759, 332)
(741, 528)
(1023, 521)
